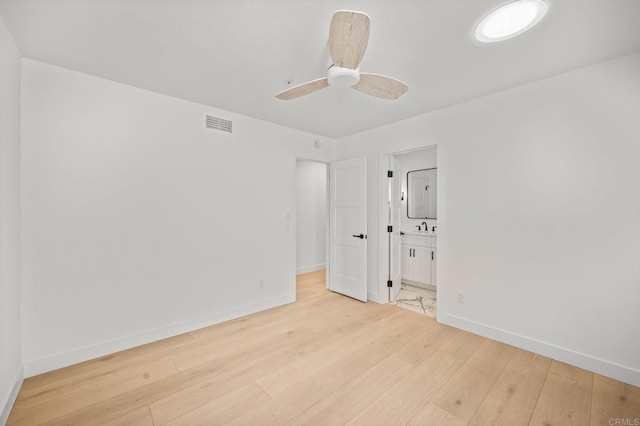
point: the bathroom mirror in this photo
(421, 194)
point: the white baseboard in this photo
(53, 362)
(606, 368)
(10, 399)
(372, 297)
(421, 285)
(311, 268)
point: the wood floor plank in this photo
(139, 417)
(240, 325)
(402, 401)
(614, 401)
(469, 386)
(222, 375)
(426, 343)
(55, 382)
(512, 399)
(314, 281)
(247, 368)
(344, 311)
(578, 374)
(325, 359)
(79, 399)
(331, 347)
(431, 414)
(105, 380)
(565, 398)
(463, 344)
(217, 411)
(256, 337)
(351, 399)
(293, 401)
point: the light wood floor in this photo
(325, 359)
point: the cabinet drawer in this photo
(419, 241)
(414, 240)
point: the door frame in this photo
(392, 185)
(383, 194)
(294, 221)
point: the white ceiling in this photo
(237, 54)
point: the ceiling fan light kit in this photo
(342, 77)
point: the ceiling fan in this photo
(348, 38)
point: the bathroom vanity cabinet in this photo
(419, 259)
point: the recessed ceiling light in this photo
(510, 20)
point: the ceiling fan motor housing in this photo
(343, 77)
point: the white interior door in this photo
(395, 241)
(348, 228)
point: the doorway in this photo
(331, 219)
(412, 242)
(312, 226)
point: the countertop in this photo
(421, 233)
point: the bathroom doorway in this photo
(412, 242)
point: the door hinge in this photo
(389, 228)
(389, 283)
(431, 254)
(390, 173)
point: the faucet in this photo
(426, 228)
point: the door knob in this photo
(361, 236)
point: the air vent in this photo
(218, 123)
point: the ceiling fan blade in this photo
(303, 89)
(381, 86)
(348, 38)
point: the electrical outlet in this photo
(460, 297)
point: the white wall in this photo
(415, 160)
(10, 357)
(311, 216)
(539, 213)
(138, 223)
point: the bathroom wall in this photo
(10, 331)
(311, 216)
(526, 176)
(139, 223)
